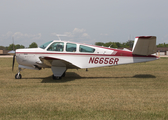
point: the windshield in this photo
(45, 45)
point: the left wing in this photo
(50, 61)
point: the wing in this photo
(49, 61)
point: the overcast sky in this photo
(83, 21)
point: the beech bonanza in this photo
(62, 55)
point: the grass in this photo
(134, 91)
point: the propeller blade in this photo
(13, 62)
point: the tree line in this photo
(17, 46)
(162, 45)
(128, 44)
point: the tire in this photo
(18, 76)
(56, 78)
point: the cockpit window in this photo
(45, 45)
(83, 48)
(70, 47)
(56, 46)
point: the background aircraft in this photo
(62, 55)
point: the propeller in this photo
(13, 62)
(14, 55)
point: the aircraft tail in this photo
(144, 45)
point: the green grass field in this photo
(134, 91)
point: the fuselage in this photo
(77, 55)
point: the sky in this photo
(82, 21)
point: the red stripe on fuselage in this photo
(119, 53)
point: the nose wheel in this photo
(18, 75)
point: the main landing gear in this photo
(57, 77)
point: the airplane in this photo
(62, 55)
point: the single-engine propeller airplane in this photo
(62, 55)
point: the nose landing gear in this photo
(18, 75)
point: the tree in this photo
(125, 45)
(14, 47)
(108, 44)
(119, 45)
(19, 46)
(130, 43)
(114, 45)
(11, 47)
(2, 48)
(33, 45)
(162, 45)
(99, 43)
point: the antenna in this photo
(110, 45)
(58, 35)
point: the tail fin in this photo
(144, 45)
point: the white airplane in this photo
(62, 55)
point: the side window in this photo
(83, 48)
(57, 46)
(70, 47)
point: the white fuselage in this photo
(102, 56)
